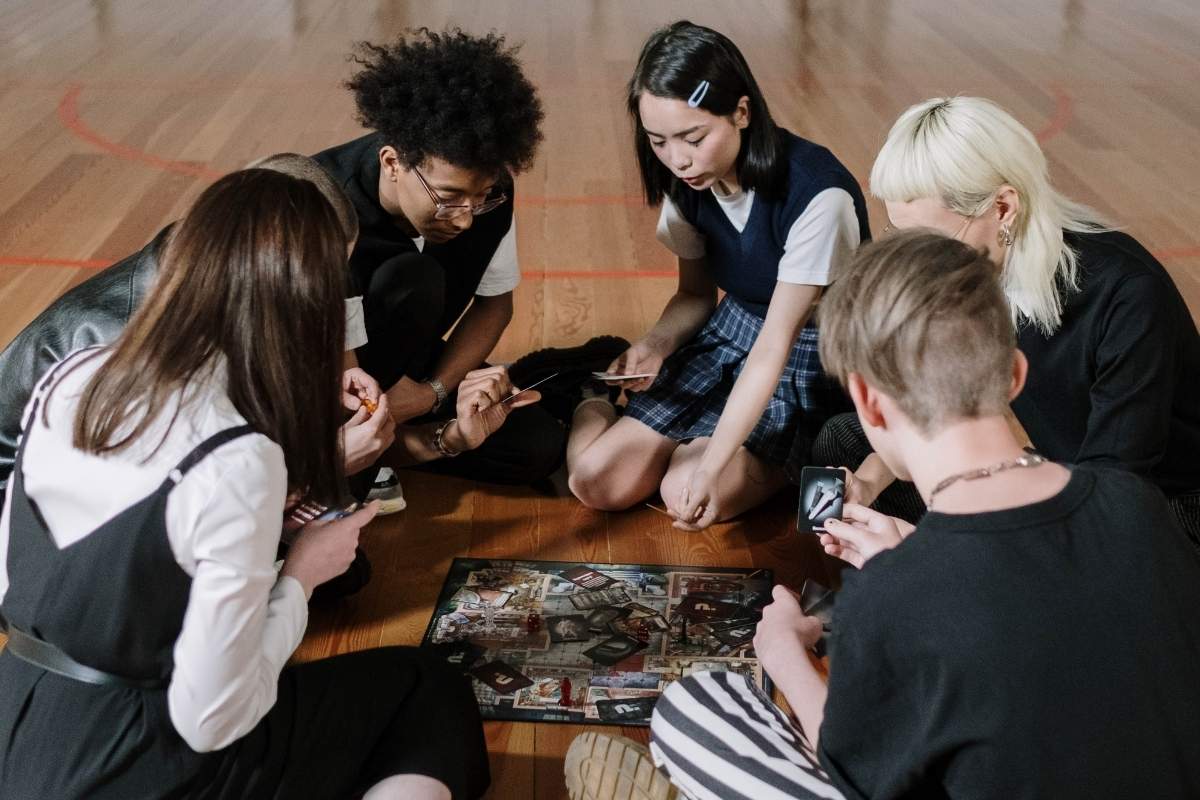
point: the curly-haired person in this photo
(453, 119)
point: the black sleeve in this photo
(873, 741)
(1135, 377)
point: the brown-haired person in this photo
(452, 121)
(149, 629)
(97, 310)
(1006, 647)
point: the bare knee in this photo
(591, 481)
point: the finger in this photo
(852, 557)
(860, 513)
(360, 416)
(782, 594)
(364, 515)
(487, 373)
(370, 387)
(856, 536)
(527, 399)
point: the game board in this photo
(563, 641)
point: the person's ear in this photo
(389, 162)
(741, 114)
(1007, 205)
(866, 401)
(1020, 370)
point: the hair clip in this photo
(698, 95)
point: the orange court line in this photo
(69, 116)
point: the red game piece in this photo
(533, 622)
(564, 688)
(643, 632)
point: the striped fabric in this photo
(686, 400)
(719, 737)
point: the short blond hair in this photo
(922, 317)
(306, 169)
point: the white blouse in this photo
(223, 523)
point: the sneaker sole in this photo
(603, 767)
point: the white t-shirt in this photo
(223, 525)
(819, 241)
(503, 273)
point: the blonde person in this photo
(749, 208)
(1019, 643)
(1114, 356)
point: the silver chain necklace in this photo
(1028, 460)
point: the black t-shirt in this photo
(464, 259)
(1048, 651)
(1119, 382)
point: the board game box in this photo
(564, 641)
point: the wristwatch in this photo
(439, 394)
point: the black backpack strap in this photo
(204, 448)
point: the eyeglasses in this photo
(889, 229)
(453, 210)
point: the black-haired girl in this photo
(760, 213)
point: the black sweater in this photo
(1119, 382)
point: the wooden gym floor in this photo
(114, 115)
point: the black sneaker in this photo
(573, 364)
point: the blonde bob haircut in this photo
(921, 317)
(961, 150)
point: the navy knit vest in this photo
(745, 265)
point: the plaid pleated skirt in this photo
(686, 400)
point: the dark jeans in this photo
(403, 305)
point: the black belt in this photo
(33, 650)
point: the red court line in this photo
(1167, 254)
(68, 115)
(1063, 109)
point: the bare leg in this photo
(613, 464)
(744, 484)
(408, 787)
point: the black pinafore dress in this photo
(113, 601)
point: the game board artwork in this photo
(564, 641)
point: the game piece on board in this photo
(564, 690)
(533, 622)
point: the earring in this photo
(1005, 238)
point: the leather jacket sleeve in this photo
(94, 312)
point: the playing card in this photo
(610, 651)
(617, 376)
(502, 677)
(822, 490)
(736, 636)
(462, 654)
(817, 601)
(588, 578)
(634, 708)
(638, 610)
(701, 608)
(585, 601)
(600, 618)
(572, 628)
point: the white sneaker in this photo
(603, 767)
(388, 492)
